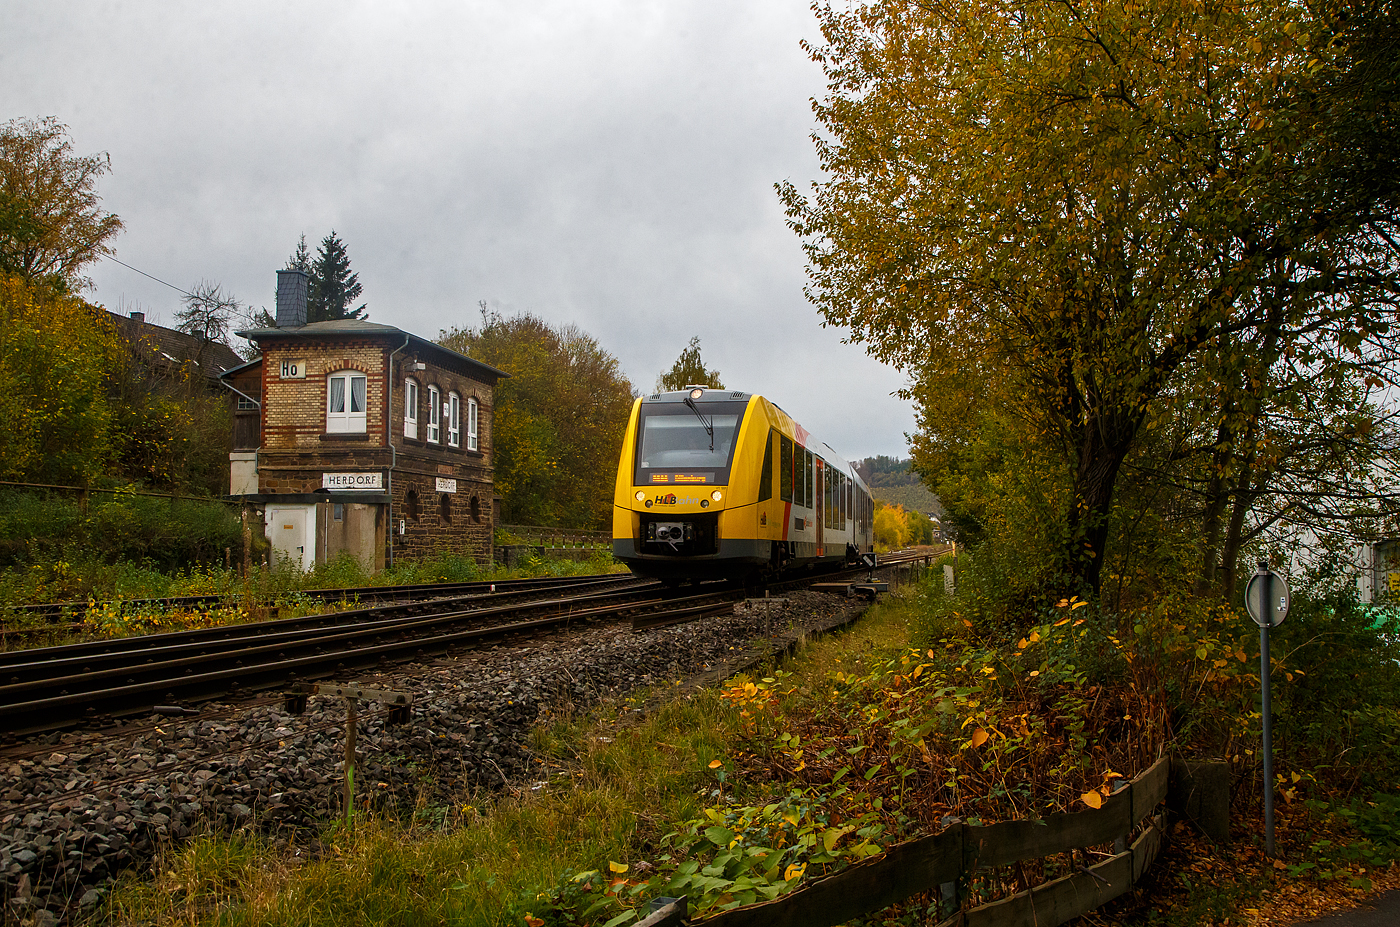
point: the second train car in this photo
(721, 483)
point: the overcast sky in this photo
(607, 164)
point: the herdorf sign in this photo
(353, 481)
(293, 370)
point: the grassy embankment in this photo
(121, 548)
(932, 706)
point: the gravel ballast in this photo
(90, 805)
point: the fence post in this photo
(949, 893)
(1121, 844)
(1200, 792)
(352, 723)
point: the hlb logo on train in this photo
(671, 499)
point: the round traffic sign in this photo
(1254, 593)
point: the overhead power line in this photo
(151, 276)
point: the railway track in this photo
(358, 594)
(97, 682)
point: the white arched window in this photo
(471, 425)
(345, 402)
(434, 415)
(454, 420)
(410, 408)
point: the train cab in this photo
(723, 483)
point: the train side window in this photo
(833, 485)
(765, 479)
(824, 477)
(785, 472)
(809, 481)
(804, 476)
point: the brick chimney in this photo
(292, 286)
(138, 317)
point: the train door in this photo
(821, 506)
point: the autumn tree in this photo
(557, 423)
(51, 220)
(689, 370)
(57, 356)
(1055, 216)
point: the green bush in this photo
(445, 567)
(1337, 704)
(126, 545)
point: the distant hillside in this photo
(892, 482)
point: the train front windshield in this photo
(677, 447)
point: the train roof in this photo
(710, 395)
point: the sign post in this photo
(1266, 599)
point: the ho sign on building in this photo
(353, 481)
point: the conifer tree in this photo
(334, 286)
(301, 258)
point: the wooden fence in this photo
(536, 536)
(943, 860)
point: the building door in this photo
(291, 530)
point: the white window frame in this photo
(454, 419)
(345, 420)
(471, 424)
(410, 408)
(434, 415)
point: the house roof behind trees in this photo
(167, 349)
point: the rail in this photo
(943, 861)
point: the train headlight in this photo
(641, 495)
(697, 393)
(717, 495)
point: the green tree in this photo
(557, 423)
(334, 286)
(689, 370)
(51, 221)
(1075, 213)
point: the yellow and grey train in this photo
(720, 483)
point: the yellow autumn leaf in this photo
(794, 871)
(1092, 799)
(979, 737)
(1077, 605)
(617, 867)
(833, 836)
(715, 764)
